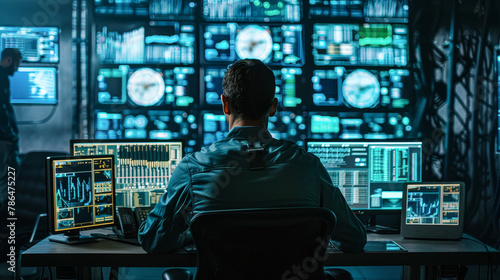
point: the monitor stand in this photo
(374, 228)
(72, 237)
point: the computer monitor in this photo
(143, 167)
(36, 44)
(433, 210)
(370, 174)
(34, 85)
(80, 194)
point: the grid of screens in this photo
(370, 174)
(433, 204)
(342, 67)
(36, 44)
(81, 193)
(34, 85)
(143, 168)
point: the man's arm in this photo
(349, 230)
(165, 227)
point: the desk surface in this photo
(106, 253)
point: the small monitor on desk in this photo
(433, 210)
(80, 194)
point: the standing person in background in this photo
(9, 137)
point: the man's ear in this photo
(225, 104)
(273, 107)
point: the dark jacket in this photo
(8, 124)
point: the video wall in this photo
(342, 67)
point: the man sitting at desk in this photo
(222, 176)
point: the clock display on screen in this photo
(146, 87)
(254, 42)
(361, 89)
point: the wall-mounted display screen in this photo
(34, 85)
(287, 125)
(357, 125)
(149, 124)
(367, 44)
(154, 9)
(273, 44)
(371, 10)
(252, 10)
(362, 88)
(158, 42)
(36, 44)
(145, 87)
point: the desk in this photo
(421, 253)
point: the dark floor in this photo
(358, 272)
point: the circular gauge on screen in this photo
(254, 42)
(145, 87)
(361, 89)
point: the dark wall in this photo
(53, 135)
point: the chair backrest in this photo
(282, 243)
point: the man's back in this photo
(220, 177)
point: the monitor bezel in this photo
(51, 206)
(371, 211)
(72, 142)
(53, 101)
(433, 231)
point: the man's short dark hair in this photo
(249, 86)
(12, 52)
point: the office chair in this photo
(282, 243)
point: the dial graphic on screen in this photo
(145, 87)
(254, 42)
(361, 89)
